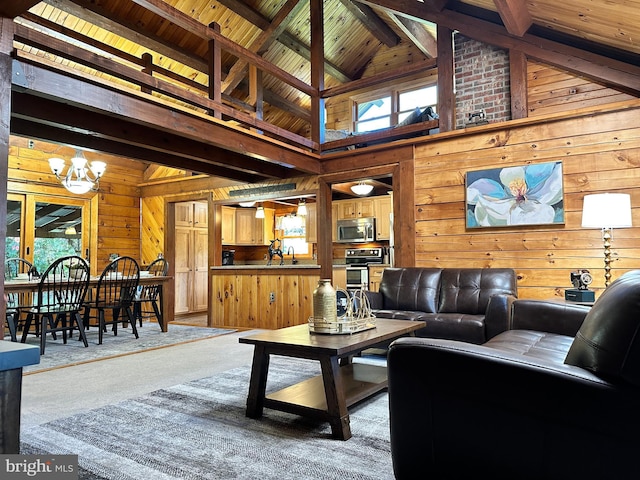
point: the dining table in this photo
(20, 285)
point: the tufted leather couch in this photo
(469, 304)
(555, 397)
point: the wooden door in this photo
(183, 276)
(200, 271)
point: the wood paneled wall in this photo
(550, 90)
(600, 153)
(118, 228)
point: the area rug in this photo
(57, 354)
(198, 430)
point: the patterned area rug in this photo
(199, 430)
(57, 354)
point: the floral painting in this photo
(512, 196)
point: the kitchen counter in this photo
(286, 266)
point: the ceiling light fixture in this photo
(362, 188)
(77, 180)
(259, 212)
(247, 204)
(302, 207)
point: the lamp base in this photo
(576, 295)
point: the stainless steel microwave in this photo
(356, 230)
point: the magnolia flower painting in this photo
(512, 196)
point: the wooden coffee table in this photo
(342, 382)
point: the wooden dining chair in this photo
(59, 299)
(18, 302)
(145, 304)
(114, 294)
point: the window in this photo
(292, 232)
(385, 109)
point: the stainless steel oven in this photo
(358, 260)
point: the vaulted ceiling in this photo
(356, 34)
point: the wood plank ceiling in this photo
(355, 32)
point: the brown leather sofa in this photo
(555, 397)
(469, 304)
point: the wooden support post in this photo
(446, 97)
(317, 71)
(6, 72)
(147, 58)
(215, 70)
(256, 92)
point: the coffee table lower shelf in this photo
(308, 398)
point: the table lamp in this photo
(606, 211)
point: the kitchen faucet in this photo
(290, 251)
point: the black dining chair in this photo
(114, 294)
(59, 299)
(145, 303)
(16, 301)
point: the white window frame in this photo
(393, 93)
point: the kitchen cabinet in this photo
(251, 230)
(311, 224)
(356, 208)
(192, 214)
(375, 276)
(228, 226)
(383, 209)
(340, 276)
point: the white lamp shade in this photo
(606, 210)
(56, 164)
(98, 168)
(302, 208)
(260, 212)
(362, 188)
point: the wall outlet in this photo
(272, 297)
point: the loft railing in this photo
(127, 71)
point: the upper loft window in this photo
(388, 108)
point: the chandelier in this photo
(78, 180)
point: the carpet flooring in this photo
(57, 354)
(198, 430)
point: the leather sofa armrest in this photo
(483, 411)
(498, 316)
(376, 300)
(547, 316)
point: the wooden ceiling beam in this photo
(372, 22)
(116, 106)
(603, 70)
(515, 16)
(262, 43)
(37, 130)
(255, 18)
(67, 117)
(189, 24)
(94, 14)
(15, 8)
(417, 34)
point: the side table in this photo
(13, 356)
